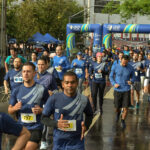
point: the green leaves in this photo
(44, 16)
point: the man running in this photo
(68, 108)
(14, 76)
(27, 102)
(121, 77)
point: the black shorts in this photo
(122, 99)
(36, 136)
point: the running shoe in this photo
(44, 145)
(123, 124)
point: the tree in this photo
(44, 16)
(129, 8)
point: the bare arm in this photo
(6, 67)
(22, 139)
(6, 86)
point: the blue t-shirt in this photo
(29, 96)
(15, 78)
(47, 80)
(79, 68)
(72, 108)
(121, 75)
(136, 65)
(98, 77)
(9, 126)
(63, 62)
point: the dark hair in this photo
(34, 53)
(126, 57)
(45, 58)
(70, 73)
(30, 64)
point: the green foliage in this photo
(44, 16)
(129, 8)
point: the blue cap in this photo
(79, 53)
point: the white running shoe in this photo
(44, 145)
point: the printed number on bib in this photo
(28, 118)
(78, 71)
(18, 79)
(98, 75)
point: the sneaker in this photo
(137, 105)
(123, 124)
(131, 107)
(44, 145)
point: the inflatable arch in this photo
(108, 29)
(74, 28)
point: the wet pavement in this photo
(106, 134)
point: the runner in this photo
(68, 108)
(136, 86)
(27, 102)
(79, 68)
(14, 76)
(10, 59)
(9, 126)
(97, 73)
(60, 62)
(121, 77)
(34, 59)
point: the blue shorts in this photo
(68, 144)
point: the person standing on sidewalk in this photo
(121, 77)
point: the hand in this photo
(37, 109)
(116, 85)
(129, 82)
(62, 124)
(83, 130)
(18, 106)
(50, 92)
(74, 64)
(59, 67)
(91, 76)
(99, 71)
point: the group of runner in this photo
(46, 93)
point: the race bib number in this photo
(72, 126)
(28, 118)
(78, 71)
(98, 75)
(18, 79)
(58, 69)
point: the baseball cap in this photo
(98, 54)
(79, 53)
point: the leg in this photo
(31, 146)
(80, 85)
(132, 97)
(101, 95)
(94, 94)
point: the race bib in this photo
(98, 75)
(78, 71)
(18, 79)
(28, 118)
(58, 70)
(72, 126)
